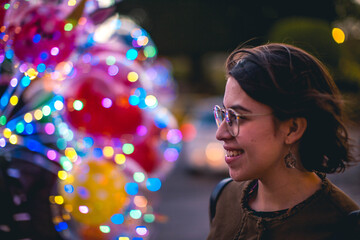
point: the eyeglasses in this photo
(232, 118)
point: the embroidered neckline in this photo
(281, 214)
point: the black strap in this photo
(352, 226)
(215, 196)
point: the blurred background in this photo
(196, 36)
(191, 39)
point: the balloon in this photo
(41, 39)
(2, 11)
(138, 43)
(110, 58)
(146, 155)
(95, 190)
(97, 109)
(2, 51)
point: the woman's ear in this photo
(296, 129)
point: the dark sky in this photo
(198, 26)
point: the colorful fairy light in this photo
(151, 101)
(132, 76)
(25, 81)
(108, 152)
(134, 100)
(49, 128)
(120, 159)
(13, 82)
(113, 70)
(105, 229)
(174, 136)
(51, 154)
(46, 110)
(140, 201)
(171, 154)
(149, 218)
(59, 200)
(31, 73)
(128, 148)
(20, 127)
(69, 188)
(62, 174)
(73, 148)
(83, 209)
(2, 142)
(117, 218)
(135, 214)
(13, 139)
(153, 184)
(110, 60)
(68, 27)
(150, 51)
(141, 230)
(106, 103)
(54, 51)
(72, 2)
(14, 100)
(7, 133)
(41, 67)
(28, 117)
(131, 188)
(131, 54)
(59, 105)
(139, 177)
(38, 114)
(141, 130)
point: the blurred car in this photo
(202, 152)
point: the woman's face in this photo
(259, 148)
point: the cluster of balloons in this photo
(83, 86)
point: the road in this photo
(184, 201)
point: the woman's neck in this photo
(284, 191)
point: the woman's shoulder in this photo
(339, 199)
(227, 195)
(226, 211)
(234, 189)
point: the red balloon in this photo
(2, 16)
(104, 112)
(42, 39)
(146, 155)
(2, 11)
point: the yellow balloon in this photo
(96, 190)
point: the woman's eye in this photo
(232, 117)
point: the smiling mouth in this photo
(233, 153)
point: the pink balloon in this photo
(41, 38)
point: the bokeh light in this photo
(338, 35)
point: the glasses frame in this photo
(237, 115)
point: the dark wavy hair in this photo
(296, 84)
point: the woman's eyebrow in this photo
(239, 107)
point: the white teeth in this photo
(233, 153)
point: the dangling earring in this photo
(290, 159)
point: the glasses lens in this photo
(232, 122)
(219, 115)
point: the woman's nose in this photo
(222, 132)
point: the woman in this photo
(282, 130)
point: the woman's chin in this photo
(237, 175)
